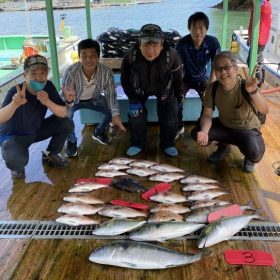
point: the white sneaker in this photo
(180, 133)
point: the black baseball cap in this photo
(34, 61)
(151, 33)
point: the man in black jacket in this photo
(150, 68)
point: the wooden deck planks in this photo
(39, 196)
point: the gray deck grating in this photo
(52, 230)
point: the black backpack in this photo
(247, 97)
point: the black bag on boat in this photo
(246, 95)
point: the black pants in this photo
(15, 149)
(167, 112)
(249, 142)
(200, 88)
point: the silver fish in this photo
(76, 220)
(87, 187)
(121, 160)
(112, 166)
(199, 187)
(211, 202)
(165, 216)
(175, 208)
(166, 168)
(168, 197)
(205, 195)
(110, 174)
(141, 171)
(197, 179)
(200, 215)
(164, 231)
(115, 211)
(166, 177)
(142, 163)
(79, 208)
(82, 197)
(141, 255)
(223, 229)
(117, 226)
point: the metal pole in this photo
(255, 35)
(88, 19)
(225, 21)
(51, 30)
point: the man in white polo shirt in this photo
(89, 84)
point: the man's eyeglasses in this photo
(221, 68)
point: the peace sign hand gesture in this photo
(251, 81)
(19, 98)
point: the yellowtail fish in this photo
(117, 226)
(163, 231)
(142, 255)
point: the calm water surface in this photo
(170, 14)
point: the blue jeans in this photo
(99, 105)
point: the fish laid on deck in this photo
(166, 168)
(197, 179)
(117, 226)
(109, 173)
(167, 177)
(164, 230)
(142, 163)
(199, 187)
(165, 216)
(223, 229)
(121, 160)
(141, 171)
(211, 202)
(79, 208)
(84, 198)
(112, 166)
(115, 211)
(141, 255)
(76, 220)
(168, 197)
(128, 184)
(87, 187)
(175, 208)
(204, 195)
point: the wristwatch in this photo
(254, 92)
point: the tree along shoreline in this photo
(236, 5)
